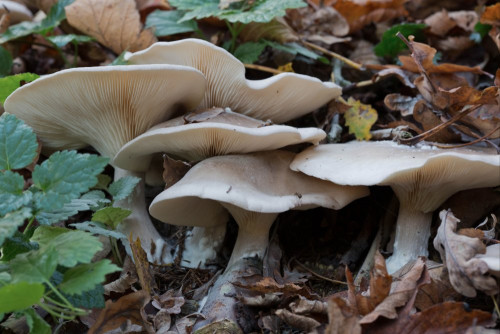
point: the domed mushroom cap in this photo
(17, 12)
(258, 182)
(426, 172)
(280, 98)
(224, 132)
(105, 107)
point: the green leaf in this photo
(53, 19)
(99, 229)
(84, 277)
(72, 246)
(120, 189)
(166, 23)
(62, 40)
(64, 176)
(10, 223)
(18, 145)
(103, 182)
(120, 60)
(95, 199)
(36, 323)
(391, 45)
(13, 82)
(34, 266)
(5, 62)
(360, 118)
(111, 216)
(480, 30)
(249, 52)
(244, 12)
(12, 196)
(90, 299)
(18, 296)
(17, 244)
(295, 48)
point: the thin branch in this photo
(318, 275)
(263, 68)
(335, 55)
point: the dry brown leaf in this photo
(115, 314)
(440, 23)
(306, 306)
(114, 23)
(170, 302)
(342, 319)
(437, 291)
(491, 15)
(401, 103)
(428, 118)
(142, 265)
(300, 322)
(162, 321)
(173, 170)
(267, 285)
(43, 5)
(276, 30)
(321, 22)
(467, 274)
(145, 7)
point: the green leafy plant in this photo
(47, 266)
(13, 82)
(391, 45)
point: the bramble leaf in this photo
(12, 196)
(166, 23)
(5, 62)
(18, 145)
(120, 189)
(36, 323)
(249, 52)
(18, 296)
(111, 216)
(84, 277)
(34, 266)
(360, 118)
(89, 299)
(10, 223)
(99, 229)
(16, 244)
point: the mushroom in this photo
(422, 177)
(209, 133)
(106, 107)
(254, 188)
(17, 12)
(279, 98)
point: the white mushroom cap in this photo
(104, 107)
(422, 177)
(225, 133)
(280, 98)
(17, 12)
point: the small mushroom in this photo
(106, 107)
(422, 177)
(17, 12)
(279, 98)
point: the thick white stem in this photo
(202, 245)
(139, 223)
(413, 230)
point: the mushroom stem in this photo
(202, 245)
(139, 224)
(253, 233)
(413, 229)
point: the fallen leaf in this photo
(298, 321)
(492, 259)
(114, 23)
(142, 265)
(342, 319)
(467, 273)
(360, 118)
(173, 170)
(126, 309)
(320, 22)
(401, 103)
(306, 306)
(276, 30)
(427, 117)
(491, 15)
(437, 291)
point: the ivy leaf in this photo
(110, 216)
(18, 145)
(12, 196)
(34, 266)
(120, 189)
(360, 118)
(391, 45)
(11, 222)
(61, 40)
(5, 62)
(36, 323)
(18, 296)
(258, 11)
(249, 52)
(99, 229)
(84, 277)
(72, 246)
(165, 23)
(90, 299)
(13, 82)
(64, 176)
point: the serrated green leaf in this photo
(53, 19)
(90, 299)
(64, 176)
(84, 277)
(5, 62)
(18, 145)
(121, 189)
(99, 229)
(17, 244)
(12, 196)
(244, 12)
(103, 182)
(72, 246)
(165, 23)
(18, 296)
(391, 45)
(34, 266)
(35, 323)
(95, 199)
(249, 52)
(111, 216)
(11, 222)
(13, 82)
(61, 40)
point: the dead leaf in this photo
(142, 265)
(114, 23)
(360, 118)
(492, 259)
(173, 170)
(145, 7)
(162, 322)
(427, 117)
(300, 322)
(491, 15)
(276, 30)
(401, 103)
(306, 306)
(169, 302)
(318, 24)
(342, 319)
(437, 291)
(440, 23)
(467, 274)
(116, 314)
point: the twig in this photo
(335, 55)
(496, 305)
(318, 275)
(263, 68)
(472, 142)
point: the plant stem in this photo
(116, 251)
(335, 55)
(51, 311)
(58, 294)
(234, 29)
(29, 225)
